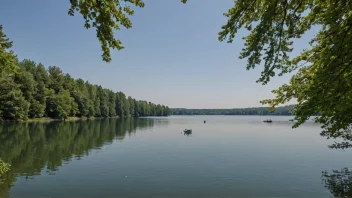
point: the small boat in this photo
(187, 131)
(269, 121)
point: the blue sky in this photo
(172, 54)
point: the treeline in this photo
(34, 92)
(286, 110)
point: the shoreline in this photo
(47, 119)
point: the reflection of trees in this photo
(341, 145)
(4, 167)
(30, 147)
(345, 135)
(339, 183)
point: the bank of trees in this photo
(286, 110)
(35, 92)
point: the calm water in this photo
(229, 156)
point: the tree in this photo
(92, 92)
(323, 79)
(103, 96)
(159, 110)
(27, 89)
(136, 108)
(112, 103)
(42, 79)
(132, 106)
(168, 111)
(13, 105)
(120, 98)
(59, 105)
(40, 76)
(7, 58)
(97, 112)
(81, 96)
(127, 108)
(35, 92)
(106, 16)
(69, 83)
(322, 82)
(56, 79)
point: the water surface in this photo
(229, 156)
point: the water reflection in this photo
(31, 147)
(36, 147)
(338, 182)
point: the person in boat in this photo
(267, 121)
(187, 130)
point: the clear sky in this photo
(172, 54)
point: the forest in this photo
(285, 110)
(36, 92)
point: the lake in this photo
(228, 156)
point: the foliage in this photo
(27, 89)
(106, 16)
(286, 110)
(323, 73)
(13, 105)
(59, 105)
(322, 82)
(7, 58)
(4, 167)
(35, 92)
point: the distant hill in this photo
(285, 110)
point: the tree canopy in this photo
(323, 74)
(106, 16)
(322, 77)
(7, 58)
(36, 92)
